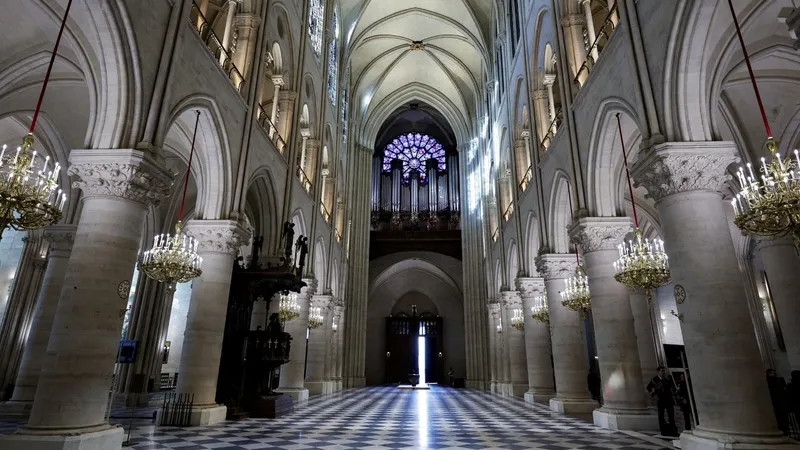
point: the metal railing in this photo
(526, 179)
(266, 123)
(177, 410)
(214, 44)
(301, 175)
(508, 212)
(325, 214)
(496, 234)
(552, 129)
(338, 236)
(593, 52)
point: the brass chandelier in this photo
(518, 319)
(315, 317)
(29, 194)
(539, 309)
(288, 309)
(769, 204)
(576, 294)
(173, 258)
(642, 263)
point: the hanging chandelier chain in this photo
(189, 168)
(50, 68)
(750, 70)
(627, 172)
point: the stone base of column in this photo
(317, 387)
(542, 398)
(572, 406)
(105, 439)
(15, 410)
(699, 440)
(517, 389)
(494, 387)
(338, 386)
(355, 382)
(611, 420)
(477, 384)
(298, 395)
(137, 399)
(202, 416)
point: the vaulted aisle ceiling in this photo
(389, 69)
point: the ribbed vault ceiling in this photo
(387, 71)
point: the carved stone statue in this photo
(258, 243)
(274, 325)
(288, 238)
(303, 244)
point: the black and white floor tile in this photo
(390, 418)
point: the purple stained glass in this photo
(414, 149)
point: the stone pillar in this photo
(60, 238)
(317, 342)
(537, 345)
(587, 10)
(570, 356)
(624, 400)
(219, 240)
(783, 273)
(226, 35)
(686, 179)
(286, 113)
(493, 310)
(549, 81)
(576, 50)
(339, 342)
(69, 409)
(243, 50)
(292, 380)
(515, 344)
(648, 341)
(16, 321)
(542, 114)
(277, 83)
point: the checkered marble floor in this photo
(390, 418)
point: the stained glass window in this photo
(416, 151)
(333, 60)
(316, 21)
(345, 101)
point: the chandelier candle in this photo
(539, 309)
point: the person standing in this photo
(662, 388)
(595, 386)
(683, 401)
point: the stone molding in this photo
(600, 233)
(763, 242)
(511, 299)
(556, 266)
(675, 167)
(519, 144)
(530, 287)
(540, 94)
(125, 173)
(312, 144)
(246, 20)
(493, 308)
(569, 20)
(39, 262)
(60, 239)
(321, 301)
(287, 96)
(218, 236)
(309, 289)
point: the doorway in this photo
(413, 345)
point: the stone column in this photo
(16, 321)
(587, 10)
(277, 83)
(537, 345)
(576, 50)
(493, 311)
(624, 400)
(570, 356)
(292, 380)
(60, 238)
(549, 81)
(244, 48)
(219, 240)
(226, 35)
(542, 114)
(685, 179)
(515, 343)
(317, 339)
(286, 101)
(648, 341)
(69, 409)
(339, 342)
(783, 273)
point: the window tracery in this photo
(415, 150)
(333, 60)
(316, 20)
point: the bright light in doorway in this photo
(421, 359)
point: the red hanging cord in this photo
(189, 168)
(49, 68)
(627, 172)
(750, 69)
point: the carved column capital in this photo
(569, 20)
(310, 288)
(511, 299)
(549, 80)
(540, 94)
(60, 238)
(124, 173)
(312, 144)
(556, 266)
(277, 80)
(218, 236)
(494, 308)
(321, 301)
(287, 96)
(530, 287)
(519, 144)
(246, 21)
(675, 167)
(600, 233)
